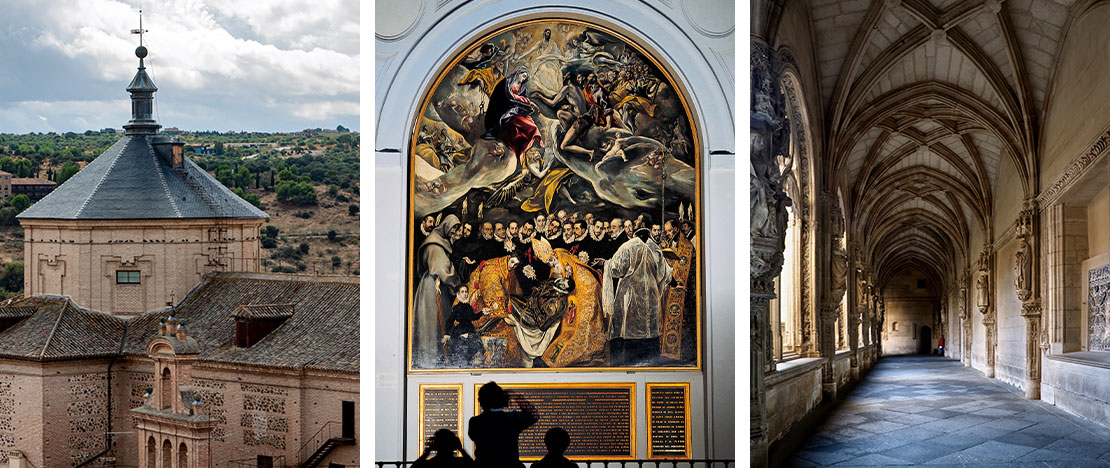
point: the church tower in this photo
(140, 225)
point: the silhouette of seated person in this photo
(444, 443)
(557, 440)
(496, 432)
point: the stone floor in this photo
(929, 410)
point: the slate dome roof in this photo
(136, 177)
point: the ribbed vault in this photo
(924, 100)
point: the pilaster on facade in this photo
(1025, 283)
(1031, 311)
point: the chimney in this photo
(162, 328)
(178, 154)
(171, 325)
(182, 333)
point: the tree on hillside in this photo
(242, 177)
(67, 171)
(21, 202)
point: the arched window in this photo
(167, 454)
(792, 318)
(151, 453)
(183, 456)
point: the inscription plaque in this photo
(599, 418)
(440, 408)
(668, 420)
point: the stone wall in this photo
(1079, 99)
(1098, 223)
(1076, 382)
(791, 394)
(910, 305)
(79, 259)
(1010, 363)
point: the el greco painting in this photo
(555, 208)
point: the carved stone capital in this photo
(1031, 310)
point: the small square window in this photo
(127, 277)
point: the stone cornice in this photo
(1076, 169)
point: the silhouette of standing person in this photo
(496, 432)
(557, 440)
(444, 444)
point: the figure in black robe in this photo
(463, 341)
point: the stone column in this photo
(855, 311)
(837, 281)
(965, 323)
(828, 346)
(769, 139)
(1024, 284)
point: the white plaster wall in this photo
(694, 41)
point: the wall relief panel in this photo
(1098, 309)
(546, 157)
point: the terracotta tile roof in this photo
(322, 332)
(264, 311)
(58, 329)
(16, 312)
(31, 181)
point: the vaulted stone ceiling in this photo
(924, 101)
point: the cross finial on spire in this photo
(140, 31)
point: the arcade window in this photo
(128, 277)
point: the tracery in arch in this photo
(793, 314)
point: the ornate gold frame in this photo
(409, 223)
(686, 390)
(631, 386)
(420, 409)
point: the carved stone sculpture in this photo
(982, 290)
(1023, 269)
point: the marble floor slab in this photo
(951, 416)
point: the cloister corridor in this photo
(933, 411)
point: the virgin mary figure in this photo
(509, 115)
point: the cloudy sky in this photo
(273, 65)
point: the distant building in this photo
(5, 184)
(34, 187)
(200, 150)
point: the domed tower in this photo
(138, 226)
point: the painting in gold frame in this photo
(555, 208)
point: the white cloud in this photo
(49, 116)
(300, 48)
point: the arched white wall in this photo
(694, 40)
